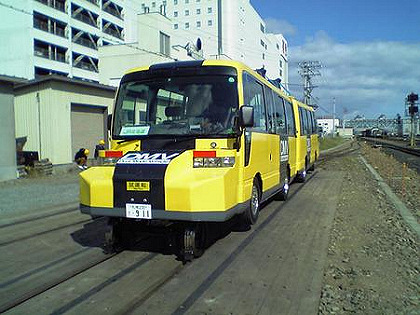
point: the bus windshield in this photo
(190, 105)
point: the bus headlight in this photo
(227, 161)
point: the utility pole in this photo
(308, 70)
(413, 109)
(333, 117)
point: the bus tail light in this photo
(208, 159)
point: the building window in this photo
(164, 44)
(175, 13)
(198, 24)
(187, 25)
(262, 43)
(278, 47)
(281, 72)
(262, 28)
(209, 10)
(210, 22)
(175, 26)
(153, 4)
(198, 11)
(263, 56)
(175, 2)
(187, 12)
(281, 63)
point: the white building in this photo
(227, 29)
(59, 36)
(326, 125)
(154, 43)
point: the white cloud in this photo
(364, 77)
(277, 26)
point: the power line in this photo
(308, 70)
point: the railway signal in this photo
(413, 109)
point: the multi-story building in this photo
(328, 125)
(58, 36)
(227, 29)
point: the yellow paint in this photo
(190, 189)
(125, 146)
(200, 189)
(96, 188)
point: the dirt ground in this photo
(373, 256)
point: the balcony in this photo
(86, 43)
(49, 51)
(112, 29)
(46, 24)
(112, 9)
(84, 39)
(85, 63)
(84, 15)
(59, 5)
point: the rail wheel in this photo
(117, 238)
(284, 192)
(301, 176)
(250, 216)
(194, 241)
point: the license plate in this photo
(138, 211)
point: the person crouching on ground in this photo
(81, 158)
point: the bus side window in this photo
(254, 96)
(280, 116)
(308, 121)
(269, 101)
(302, 119)
(314, 124)
(290, 119)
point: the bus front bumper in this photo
(207, 216)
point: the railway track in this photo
(393, 145)
(402, 153)
(87, 263)
(74, 281)
(26, 229)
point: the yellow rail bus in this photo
(197, 142)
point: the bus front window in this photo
(199, 105)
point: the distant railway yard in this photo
(340, 244)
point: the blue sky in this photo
(370, 50)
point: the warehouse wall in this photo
(7, 132)
(43, 113)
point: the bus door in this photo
(281, 130)
(309, 143)
(273, 140)
(292, 137)
(314, 138)
(304, 140)
(257, 147)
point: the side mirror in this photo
(246, 116)
(109, 122)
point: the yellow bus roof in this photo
(234, 64)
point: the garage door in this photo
(88, 126)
